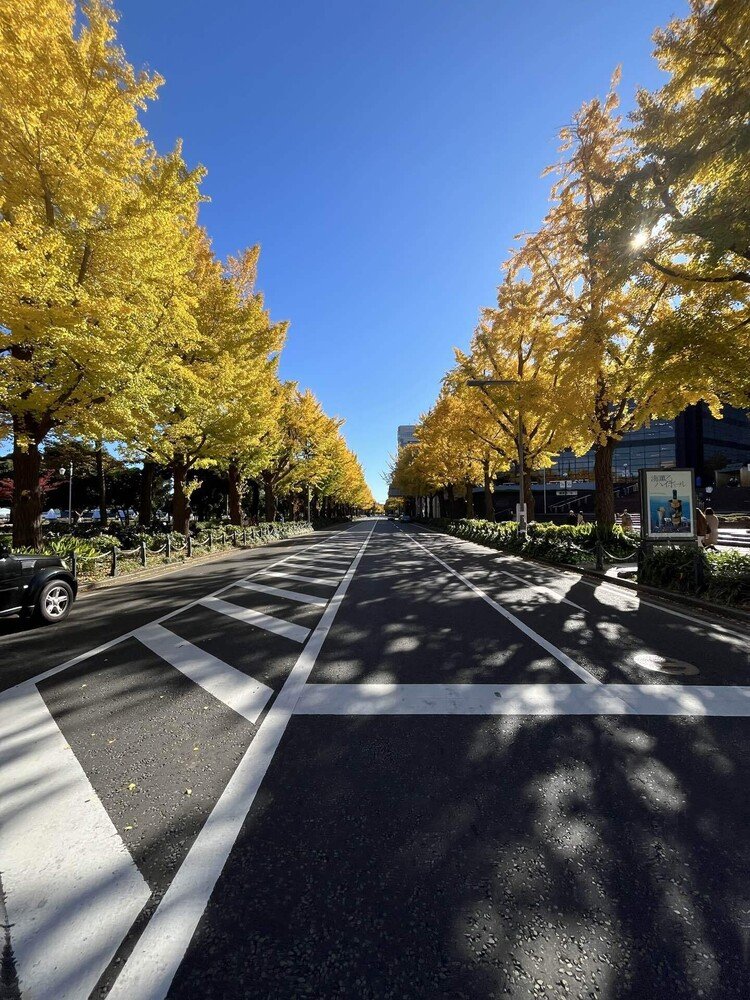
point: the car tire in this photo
(54, 602)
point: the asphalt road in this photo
(374, 763)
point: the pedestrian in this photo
(626, 521)
(712, 535)
(580, 519)
(572, 515)
(701, 526)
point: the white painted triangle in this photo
(243, 694)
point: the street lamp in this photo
(480, 383)
(70, 493)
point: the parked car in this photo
(405, 517)
(38, 586)
(4, 515)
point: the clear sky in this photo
(384, 154)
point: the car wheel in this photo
(54, 602)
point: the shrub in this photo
(560, 543)
(723, 577)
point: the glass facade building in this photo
(694, 439)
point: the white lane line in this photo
(266, 622)
(543, 590)
(558, 654)
(451, 542)
(326, 582)
(163, 618)
(151, 967)
(289, 595)
(523, 699)
(243, 694)
(325, 562)
(72, 888)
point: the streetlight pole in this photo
(479, 383)
(70, 493)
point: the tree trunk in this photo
(235, 509)
(27, 497)
(528, 495)
(451, 511)
(489, 507)
(469, 499)
(147, 487)
(101, 486)
(180, 504)
(605, 488)
(270, 500)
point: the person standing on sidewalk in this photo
(712, 535)
(701, 527)
(626, 521)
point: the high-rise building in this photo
(407, 434)
(694, 439)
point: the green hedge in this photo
(91, 551)
(560, 543)
(723, 577)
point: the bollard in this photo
(113, 567)
(74, 565)
(210, 539)
(189, 543)
(143, 553)
(169, 547)
(599, 549)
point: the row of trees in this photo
(632, 299)
(118, 325)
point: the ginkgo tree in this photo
(296, 445)
(92, 231)
(517, 345)
(219, 388)
(607, 310)
(460, 444)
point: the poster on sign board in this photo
(668, 504)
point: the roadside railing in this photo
(110, 562)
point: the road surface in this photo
(374, 763)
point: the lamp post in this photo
(480, 383)
(70, 493)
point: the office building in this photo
(407, 434)
(693, 439)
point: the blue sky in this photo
(384, 154)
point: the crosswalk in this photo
(90, 890)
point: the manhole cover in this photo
(664, 664)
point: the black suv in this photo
(41, 586)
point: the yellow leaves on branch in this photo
(93, 222)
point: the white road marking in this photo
(624, 592)
(298, 633)
(542, 590)
(72, 888)
(326, 582)
(331, 564)
(289, 595)
(558, 654)
(245, 695)
(151, 967)
(163, 618)
(523, 699)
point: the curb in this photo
(670, 597)
(89, 586)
